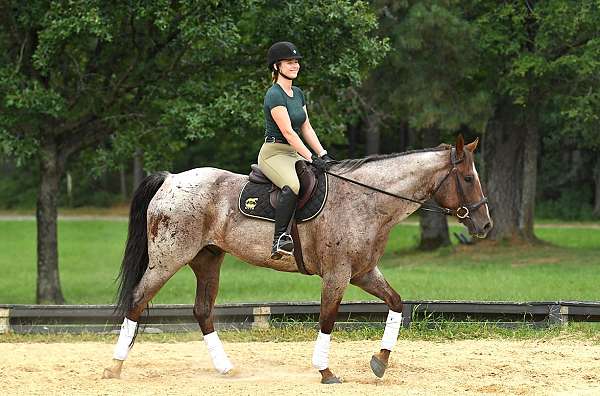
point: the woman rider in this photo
(286, 119)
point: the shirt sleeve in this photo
(273, 98)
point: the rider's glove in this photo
(328, 159)
(319, 163)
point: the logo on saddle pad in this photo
(251, 203)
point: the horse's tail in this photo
(135, 259)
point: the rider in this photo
(286, 118)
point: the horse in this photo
(192, 218)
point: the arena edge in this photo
(4, 320)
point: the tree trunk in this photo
(373, 134)
(353, 130)
(434, 226)
(511, 162)
(138, 168)
(404, 137)
(596, 212)
(69, 189)
(48, 281)
(530, 156)
(434, 230)
(123, 183)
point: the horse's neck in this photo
(412, 175)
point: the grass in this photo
(90, 252)
(444, 331)
(121, 209)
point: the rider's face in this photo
(289, 67)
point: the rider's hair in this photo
(275, 72)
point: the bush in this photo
(17, 192)
(571, 205)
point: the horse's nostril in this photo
(487, 227)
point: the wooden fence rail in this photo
(179, 318)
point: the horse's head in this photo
(461, 190)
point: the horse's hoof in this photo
(109, 374)
(228, 372)
(331, 380)
(378, 366)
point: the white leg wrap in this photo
(392, 328)
(320, 358)
(217, 353)
(125, 336)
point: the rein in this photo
(461, 212)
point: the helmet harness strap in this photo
(276, 67)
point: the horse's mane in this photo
(349, 165)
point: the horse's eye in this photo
(469, 178)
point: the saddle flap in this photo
(308, 181)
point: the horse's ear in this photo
(473, 145)
(460, 144)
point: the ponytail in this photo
(275, 72)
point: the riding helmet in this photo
(282, 50)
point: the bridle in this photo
(462, 212)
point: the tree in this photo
(433, 226)
(506, 70)
(115, 77)
(539, 61)
(434, 71)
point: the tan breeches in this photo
(277, 161)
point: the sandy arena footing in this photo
(478, 367)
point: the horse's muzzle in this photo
(482, 233)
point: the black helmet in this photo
(282, 50)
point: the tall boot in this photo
(286, 206)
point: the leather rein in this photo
(462, 212)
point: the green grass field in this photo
(90, 252)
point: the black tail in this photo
(135, 260)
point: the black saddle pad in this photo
(254, 201)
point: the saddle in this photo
(258, 198)
(308, 182)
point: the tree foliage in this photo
(117, 76)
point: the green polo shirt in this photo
(276, 96)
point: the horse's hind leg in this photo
(206, 266)
(154, 278)
(374, 283)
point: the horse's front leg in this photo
(374, 283)
(332, 291)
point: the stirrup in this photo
(278, 251)
(285, 239)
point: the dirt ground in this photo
(417, 368)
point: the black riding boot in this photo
(282, 241)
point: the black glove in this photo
(319, 163)
(328, 159)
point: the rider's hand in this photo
(319, 162)
(328, 159)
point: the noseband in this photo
(462, 212)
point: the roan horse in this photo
(193, 218)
